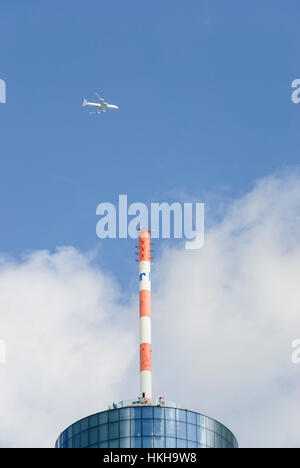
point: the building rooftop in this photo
(144, 402)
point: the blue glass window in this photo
(170, 413)
(136, 413)
(64, 437)
(103, 445)
(181, 415)
(84, 439)
(147, 427)
(218, 428)
(170, 428)
(191, 417)
(113, 430)
(136, 442)
(93, 420)
(170, 443)
(201, 420)
(113, 415)
(103, 417)
(192, 432)
(85, 424)
(159, 412)
(147, 442)
(201, 435)
(210, 424)
(181, 430)
(114, 443)
(70, 432)
(218, 441)
(224, 432)
(125, 443)
(192, 444)
(136, 427)
(103, 432)
(210, 438)
(224, 442)
(76, 441)
(147, 412)
(159, 442)
(230, 437)
(76, 428)
(181, 443)
(125, 413)
(93, 435)
(125, 428)
(159, 427)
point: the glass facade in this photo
(147, 427)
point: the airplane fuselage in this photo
(105, 105)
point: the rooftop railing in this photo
(139, 402)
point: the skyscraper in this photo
(146, 423)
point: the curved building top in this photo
(131, 424)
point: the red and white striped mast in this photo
(145, 316)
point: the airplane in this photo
(101, 106)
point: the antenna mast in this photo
(145, 316)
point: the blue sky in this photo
(204, 90)
(204, 95)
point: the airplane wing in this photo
(100, 98)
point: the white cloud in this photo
(227, 316)
(65, 336)
(224, 319)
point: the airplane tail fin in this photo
(84, 103)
